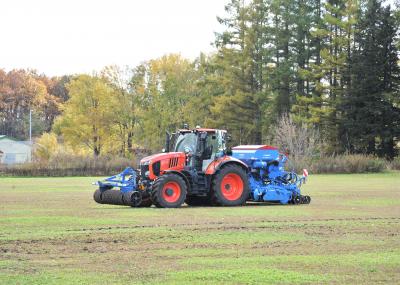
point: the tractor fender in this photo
(218, 163)
(181, 174)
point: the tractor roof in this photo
(200, 130)
(209, 130)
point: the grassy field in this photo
(52, 232)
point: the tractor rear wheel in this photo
(230, 186)
(168, 191)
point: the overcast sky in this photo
(59, 37)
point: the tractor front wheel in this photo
(230, 186)
(169, 191)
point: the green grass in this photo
(245, 276)
(52, 232)
(56, 277)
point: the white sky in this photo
(59, 37)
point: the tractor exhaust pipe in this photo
(167, 141)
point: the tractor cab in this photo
(201, 146)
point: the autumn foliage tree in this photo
(23, 91)
(87, 118)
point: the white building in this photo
(12, 151)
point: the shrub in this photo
(395, 163)
(70, 165)
(353, 163)
(46, 146)
(297, 164)
(73, 165)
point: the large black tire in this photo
(168, 191)
(230, 186)
(198, 201)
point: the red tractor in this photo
(197, 168)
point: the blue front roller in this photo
(120, 189)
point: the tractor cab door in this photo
(214, 148)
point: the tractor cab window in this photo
(186, 141)
(222, 140)
(214, 148)
(212, 145)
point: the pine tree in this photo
(328, 73)
(307, 103)
(282, 44)
(371, 120)
(241, 60)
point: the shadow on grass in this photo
(187, 207)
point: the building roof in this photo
(2, 137)
(9, 140)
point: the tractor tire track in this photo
(226, 225)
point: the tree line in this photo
(331, 64)
(22, 91)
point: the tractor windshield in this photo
(186, 141)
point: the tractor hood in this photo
(160, 156)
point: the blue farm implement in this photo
(268, 179)
(197, 168)
(127, 194)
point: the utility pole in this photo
(30, 126)
(30, 135)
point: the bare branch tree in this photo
(299, 140)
